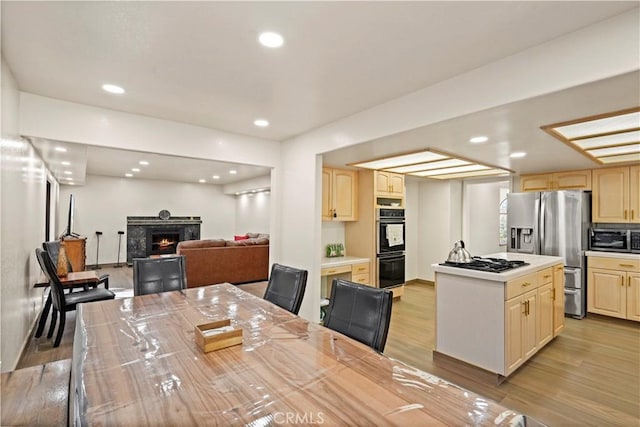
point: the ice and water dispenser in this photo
(522, 240)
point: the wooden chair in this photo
(154, 275)
(286, 287)
(360, 312)
(62, 303)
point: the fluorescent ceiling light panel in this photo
(596, 127)
(467, 168)
(403, 160)
(606, 138)
(428, 166)
(488, 172)
(612, 151)
(431, 164)
(635, 157)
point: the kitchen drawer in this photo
(361, 268)
(330, 271)
(363, 279)
(614, 263)
(521, 285)
(545, 276)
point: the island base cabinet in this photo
(521, 339)
(558, 299)
(545, 314)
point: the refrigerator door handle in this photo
(543, 207)
(571, 291)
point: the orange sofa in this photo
(215, 261)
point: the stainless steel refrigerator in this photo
(554, 223)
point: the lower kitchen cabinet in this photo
(558, 299)
(520, 332)
(614, 287)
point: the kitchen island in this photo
(496, 321)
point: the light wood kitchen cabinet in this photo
(634, 193)
(616, 195)
(614, 287)
(545, 313)
(568, 180)
(339, 195)
(558, 299)
(520, 332)
(389, 184)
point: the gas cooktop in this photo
(491, 265)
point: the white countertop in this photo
(613, 255)
(536, 262)
(340, 261)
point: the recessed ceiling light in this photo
(271, 39)
(68, 173)
(113, 89)
(216, 176)
(61, 149)
(71, 183)
(478, 139)
(517, 154)
(128, 175)
(135, 169)
(65, 163)
(237, 193)
(233, 172)
(143, 162)
(69, 178)
(261, 123)
(202, 181)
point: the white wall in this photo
(481, 216)
(104, 203)
(23, 191)
(439, 225)
(412, 240)
(332, 232)
(253, 213)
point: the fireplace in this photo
(155, 236)
(161, 241)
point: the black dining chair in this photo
(62, 303)
(53, 249)
(360, 312)
(286, 287)
(155, 275)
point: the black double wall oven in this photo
(390, 246)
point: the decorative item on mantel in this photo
(335, 250)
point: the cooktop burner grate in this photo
(491, 265)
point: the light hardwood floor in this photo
(589, 375)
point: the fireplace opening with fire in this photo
(164, 242)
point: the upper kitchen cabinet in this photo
(616, 194)
(339, 195)
(389, 184)
(569, 180)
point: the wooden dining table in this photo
(136, 362)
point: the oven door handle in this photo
(391, 257)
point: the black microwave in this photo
(611, 240)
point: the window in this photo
(502, 212)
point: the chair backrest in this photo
(154, 275)
(286, 287)
(360, 312)
(50, 270)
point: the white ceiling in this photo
(200, 63)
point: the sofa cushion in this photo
(194, 244)
(253, 235)
(240, 237)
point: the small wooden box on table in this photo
(220, 340)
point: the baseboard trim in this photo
(419, 282)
